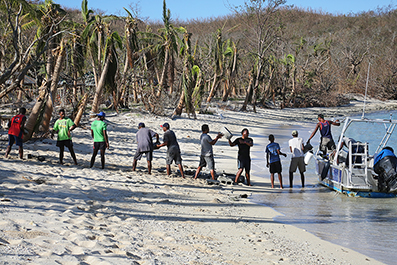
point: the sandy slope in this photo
(52, 214)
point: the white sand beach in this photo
(67, 214)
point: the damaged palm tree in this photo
(102, 45)
(49, 106)
(192, 84)
(81, 109)
(132, 55)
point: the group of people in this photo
(63, 126)
(145, 146)
(298, 149)
(273, 153)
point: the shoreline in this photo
(78, 214)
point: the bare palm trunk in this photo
(81, 110)
(163, 83)
(178, 110)
(101, 84)
(122, 85)
(248, 95)
(53, 91)
(225, 91)
(214, 86)
(34, 114)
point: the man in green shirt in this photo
(64, 126)
(101, 140)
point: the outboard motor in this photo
(386, 170)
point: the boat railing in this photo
(358, 163)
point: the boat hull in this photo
(336, 178)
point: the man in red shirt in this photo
(15, 132)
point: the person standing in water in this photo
(273, 153)
(297, 159)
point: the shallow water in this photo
(366, 225)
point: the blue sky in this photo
(187, 9)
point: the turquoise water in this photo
(366, 225)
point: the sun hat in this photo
(165, 125)
(294, 133)
(101, 114)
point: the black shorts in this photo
(244, 163)
(99, 145)
(63, 143)
(275, 167)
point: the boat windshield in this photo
(370, 132)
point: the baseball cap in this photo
(321, 116)
(294, 133)
(166, 125)
(101, 114)
(141, 124)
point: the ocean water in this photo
(366, 225)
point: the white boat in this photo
(356, 178)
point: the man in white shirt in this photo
(297, 160)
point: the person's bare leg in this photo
(134, 165)
(212, 174)
(291, 179)
(20, 152)
(149, 167)
(181, 170)
(247, 175)
(197, 172)
(303, 179)
(272, 179)
(238, 174)
(168, 169)
(280, 178)
(7, 151)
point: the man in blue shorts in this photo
(244, 144)
(273, 160)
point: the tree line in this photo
(265, 54)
